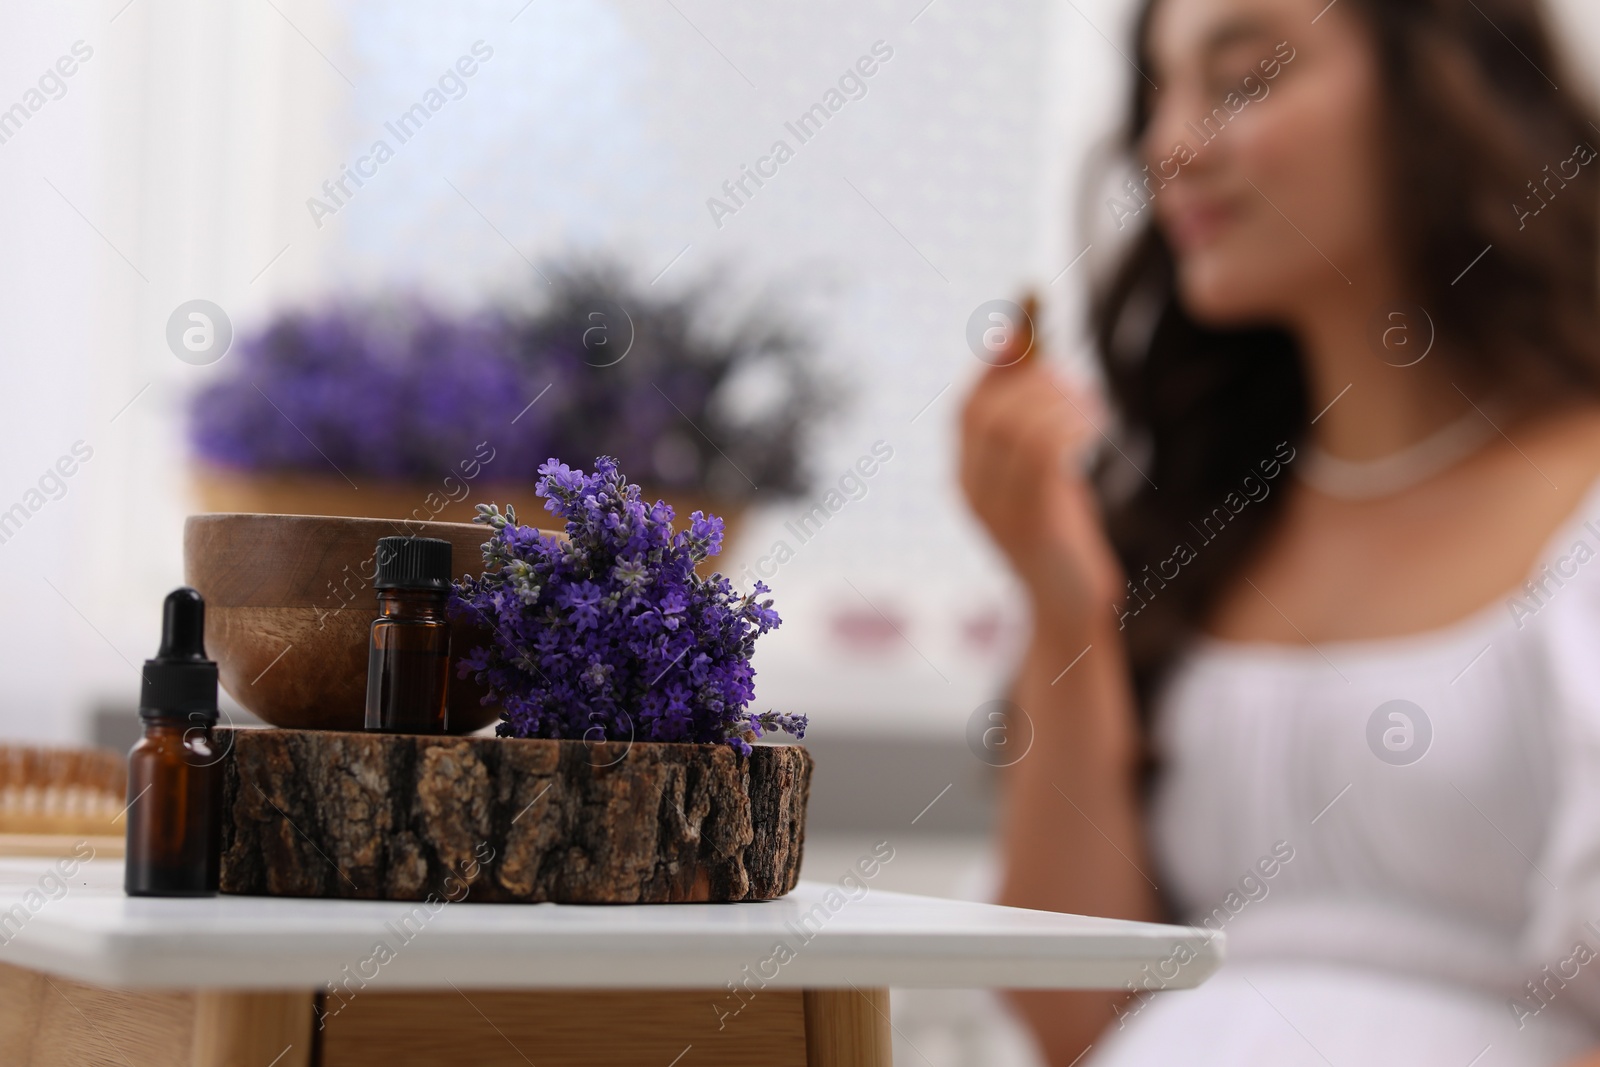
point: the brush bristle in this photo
(61, 790)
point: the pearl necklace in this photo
(1398, 471)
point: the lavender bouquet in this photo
(610, 634)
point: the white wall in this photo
(152, 181)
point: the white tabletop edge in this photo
(96, 935)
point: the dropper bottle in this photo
(408, 658)
(174, 772)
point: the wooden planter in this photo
(406, 817)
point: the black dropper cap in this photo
(181, 680)
(413, 563)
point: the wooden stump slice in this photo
(406, 817)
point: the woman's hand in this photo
(1023, 433)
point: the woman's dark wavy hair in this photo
(1472, 116)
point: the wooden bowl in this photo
(224, 489)
(289, 603)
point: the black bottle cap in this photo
(181, 680)
(413, 563)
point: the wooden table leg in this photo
(239, 1029)
(848, 1028)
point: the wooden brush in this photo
(51, 795)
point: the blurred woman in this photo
(1336, 587)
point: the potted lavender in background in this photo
(370, 410)
(710, 412)
(396, 410)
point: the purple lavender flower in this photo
(610, 633)
(398, 392)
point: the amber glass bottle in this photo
(174, 772)
(408, 663)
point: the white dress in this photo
(1437, 861)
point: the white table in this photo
(239, 980)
